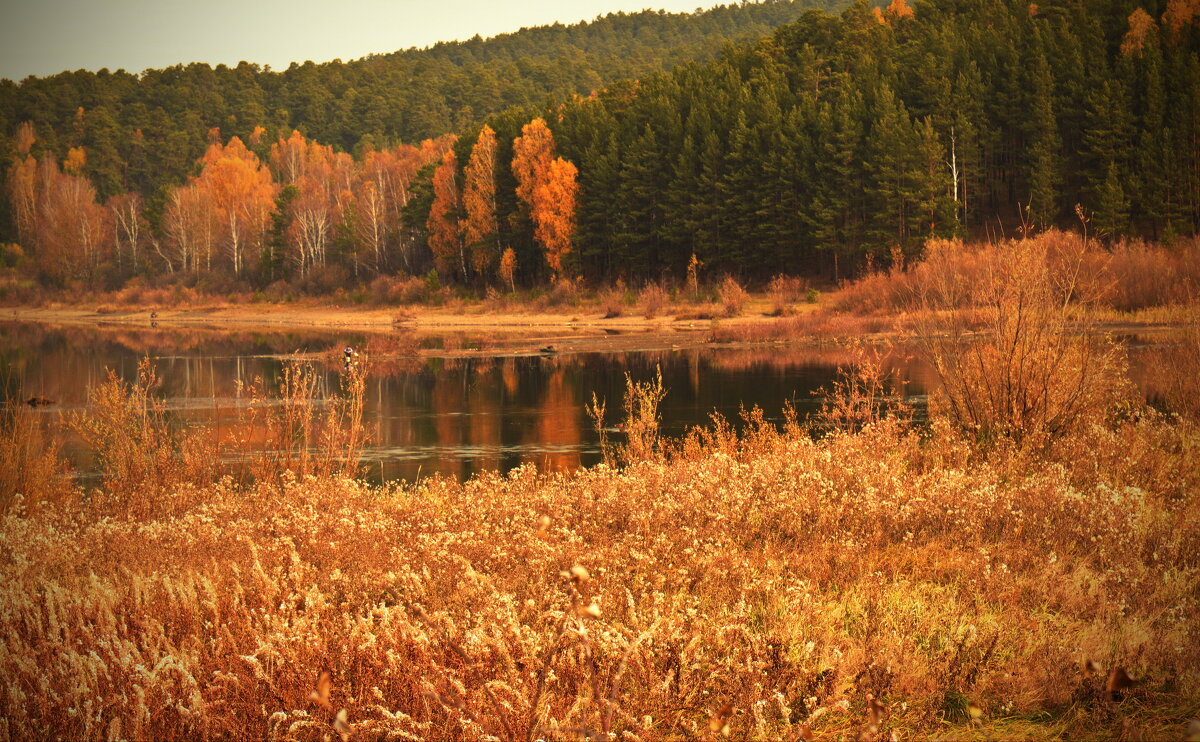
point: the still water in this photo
(428, 409)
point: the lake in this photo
(438, 404)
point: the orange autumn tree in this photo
(57, 218)
(73, 230)
(547, 185)
(533, 152)
(508, 269)
(1180, 13)
(324, 182)
(1140, 26)
(242, 195)
(554, 217)
(190, 226)
(479, 201)
(445, 235)
(895, 11)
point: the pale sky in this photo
(43, 37)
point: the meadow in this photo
(1023, 564)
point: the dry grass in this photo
(882, 581)
(784, 576)
(820, 324)
(652, 299)
(32, 459)
(1125, 277)
(1178, 370)
(732, 297)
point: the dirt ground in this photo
(477, 330)
(575, 329)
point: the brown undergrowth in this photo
(785, 576)
(882, 580)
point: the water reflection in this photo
(445, 413)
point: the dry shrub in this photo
(865, 393)
(1178, 370)
(150, 463)
(785, 291)
(612, 303)
(652, 298)
(1130, 276)
(640, 424)
(563, 293)
(641, 416)
(145, 460)
(495, 300)
(1031, 375)
(398, 290)
(732, 297)
(1144, 275)
(33, 470)
(307, 430)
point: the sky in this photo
(44, 37)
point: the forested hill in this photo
(144, 131)
(837, 142)
(851, 136)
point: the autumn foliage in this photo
(242, 196)
(445, 233)
(1140, 26)
(56, 213)
(479, 201)
(547, 186)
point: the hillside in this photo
(836, 144)
(143, 131)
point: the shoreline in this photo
(502, 332)
(511, 331)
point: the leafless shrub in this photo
(652, 298)
(1031, 374)
(865, 393)
(732, 297)
(144, 458)
(33, 469)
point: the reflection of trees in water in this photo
(448, 416)
(473, 412)
(484, 414)
(559, 423)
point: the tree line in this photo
(836, 142)
(845, 140)
(145, 131)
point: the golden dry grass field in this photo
(1025, 565)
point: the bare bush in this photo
(1030, 374)
(732, 297)
(33, 469)
(652, 299)
(784, 291)
(865, 393)
(612, 303)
